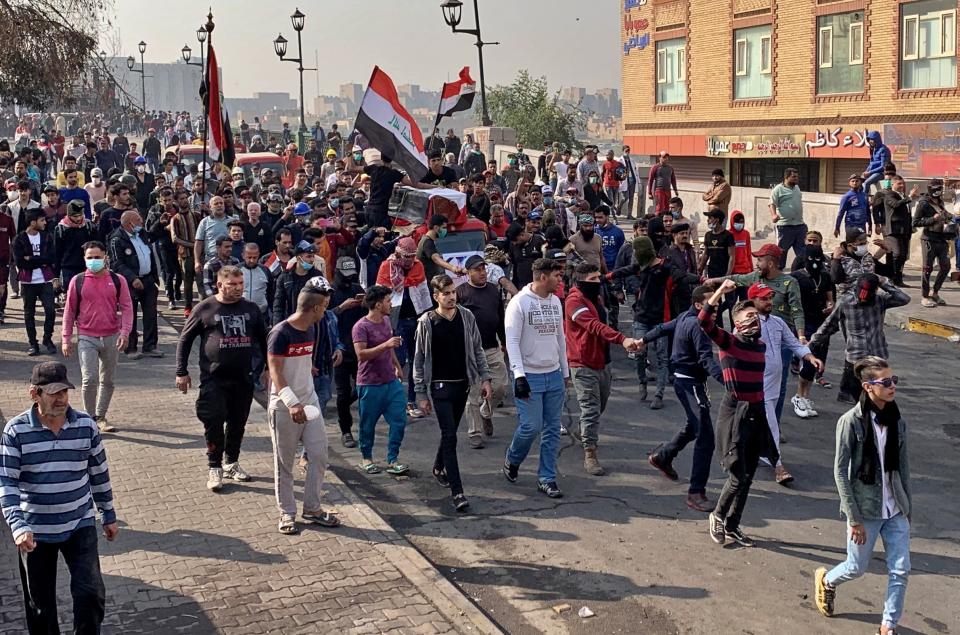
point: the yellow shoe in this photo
(823, 594)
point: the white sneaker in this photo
(215, 479)
(800, 406)
(234, 471)
(809, 404)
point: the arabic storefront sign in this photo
(633, 4)
(634, 27)
(833, 138)
(756, 146)
(924, 150)
(636, 42)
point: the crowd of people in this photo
(309, 291)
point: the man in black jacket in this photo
(897, 225)
(939, 231)
(292, 280)
(69, 236)
(132, 257)
(158, 231)
(347, 303)
(35, 256)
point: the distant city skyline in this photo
(534, 35)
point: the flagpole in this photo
(206, 106)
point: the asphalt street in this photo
(626, 546)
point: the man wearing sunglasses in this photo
(860, 311)
(873, 477)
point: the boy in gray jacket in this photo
(873, 478)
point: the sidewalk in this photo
(943, 321)
(188, 560)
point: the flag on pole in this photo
(456, 96)
(388, 126)
(219, 137)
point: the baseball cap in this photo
(139, 161)
(534, 215)
(474, 261)
(304, 247)
(546, 189)
(76, 205)
(854, 176)
(758, 290)
(769, 250)
(96, 172)
(49, 188)
(346, 265)
(51, 377)
(555, 254)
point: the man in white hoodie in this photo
(538, 358)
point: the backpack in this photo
(79, 278)
(620, 173)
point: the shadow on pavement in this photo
(188, 543)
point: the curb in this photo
(907, 322)
(447, 598)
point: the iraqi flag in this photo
(456, 96)
(219, 137)
(388, 126)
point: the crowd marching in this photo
(308, 291)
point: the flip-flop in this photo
(288, 526)
(370, 468)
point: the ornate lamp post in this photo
(131, 62)
(280, 48)
(451, 15)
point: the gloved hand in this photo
(521, 389)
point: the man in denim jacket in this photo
(873, 478)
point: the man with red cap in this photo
(777, 336)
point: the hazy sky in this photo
(548, 37)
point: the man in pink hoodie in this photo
(94, 298)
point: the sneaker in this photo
(564, 432)
(657, 403)
(413, 412)
(823, 594)
(49, 347)
(153, 353)
(810, 409)
(171, 305)
(234, 471)
(666, 468)
(823, 383)
(134, 355)
(104, 426)
(460, 503)
(487, 426)
(715, 528)
(441, 477)
(698, 502)
(215, 479)
(928, 303)
(845, 397)
(739, 537)
(348, 441)
(511, 472)
(940, 301)
(643, 392)
(34, 350)
(550, 489)
(800, 406)
(476, 442)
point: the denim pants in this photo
(407, 329)
(791, 236)
(449, 401)
(38, 577)
(656, 351)
(593, 391)
(895, 533)
(870, 180)
(98, 363)
(692, 395)
(539, 414)
(386, 400)
(31, 293)
(323, 385)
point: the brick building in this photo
(754, 86)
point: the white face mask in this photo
(141, 169)
(860, 250)
(12, 195)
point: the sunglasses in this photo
(886, 382)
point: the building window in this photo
(840, 53)
(753, 63)
(928, 44)
(767, 173)
(672, 71)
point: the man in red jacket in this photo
(588, 354)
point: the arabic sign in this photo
(636, 42)
(631, 25)
(634, 28)
(924, 150)
(756, 146)
(633, 4)
(822, 142)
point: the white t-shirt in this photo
(890, 507)
(534, 330)
(560, 167)
(35, 245)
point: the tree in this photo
(49, 45)
(528, 107)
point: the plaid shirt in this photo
(863, 322)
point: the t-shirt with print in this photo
(378, 370)
(37, 277)
(718, 255)
(230, 334)
(296, 349)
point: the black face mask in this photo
(586, 233)
(590, 289)
(346, 281)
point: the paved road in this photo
(626, 545)
(191, 561)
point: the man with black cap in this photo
(439, 175)
(69, 236)
(484, 299)
(53, 443)
(290, 282)
(35, 257)
(231, 331)
(523, 249)
(939, 230)
(347, 303)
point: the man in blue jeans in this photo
(693, 362)
(873, 479)
(537, 350)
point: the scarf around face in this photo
(888, 418)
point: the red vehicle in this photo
(266, 160)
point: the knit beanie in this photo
(643, 251)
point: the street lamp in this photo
(280, 48)
(131, 62)
(452, 10)
(186, 51)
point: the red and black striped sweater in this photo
(742, 361)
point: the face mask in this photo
(594, 180)
(749, 328)
(738, 227)
(137, 229)
(334, 203)
(712, 227)
(95, 265)
(591, 289)
(513, 161)
(307, 266)
(548, 200)
(12, 195)
(141, 169)
(860, 250)
(812, 265)
(675, 215)
(358, 157)
(442, 233)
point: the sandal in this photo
(397, 469)
(322, 518)
(370, 467)
(288, 525)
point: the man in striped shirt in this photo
(53, 470)
(742, 432)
